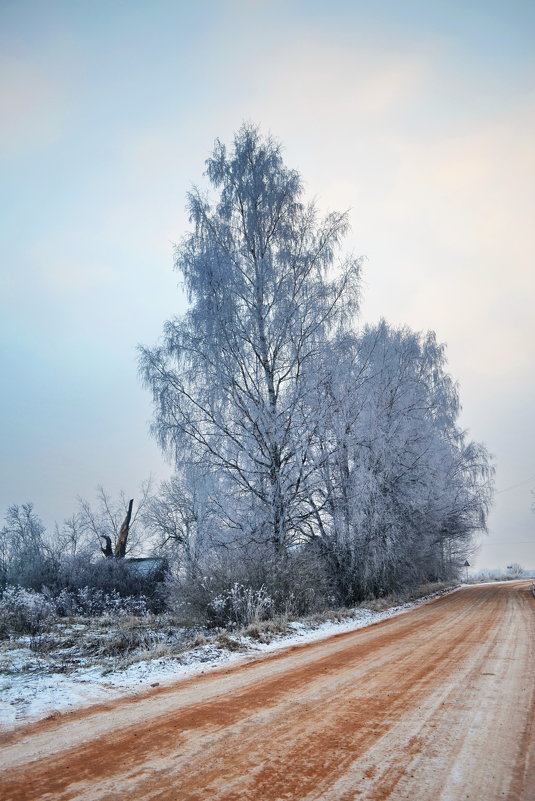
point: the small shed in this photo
(152, 568)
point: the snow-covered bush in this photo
(24, 611)
(91, 602)
(240, 606)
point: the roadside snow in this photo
(28, 692)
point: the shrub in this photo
(91, 602)
(237, 587)
(24, 612)
(113, 577)
(239, 606)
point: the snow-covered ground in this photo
(30, 690)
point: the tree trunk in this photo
(120, 548)
(107, 550)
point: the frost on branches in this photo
(297, 438)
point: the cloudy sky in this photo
(419, 116)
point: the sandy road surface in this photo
(435, 705)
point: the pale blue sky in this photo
(419, 116)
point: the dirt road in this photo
(435, 705)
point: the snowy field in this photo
(35, 686)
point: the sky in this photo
(418, 117)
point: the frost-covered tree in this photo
(180, 516)
(103, 523)
(402, 490)
(515, 571)
(306, 443)
(26, 557)
(232, 378)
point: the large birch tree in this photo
(231, 378)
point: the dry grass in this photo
(197, 642)
(265, 630)
(382, 604)
(331, 616)
(159, 651)
(121, 642)
(224, 641)
(396, 599)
